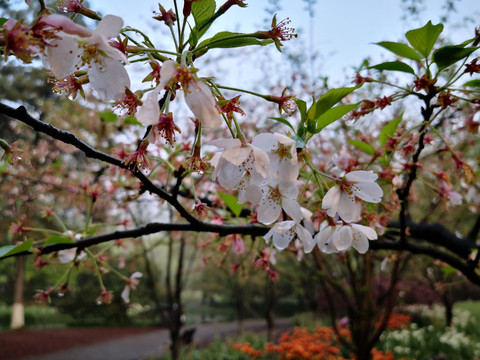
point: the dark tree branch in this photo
(404, 192)
(439, 235)
(22, 115)
(152, 228)
(473, 233)
(462, 265)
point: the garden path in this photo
(154, 343)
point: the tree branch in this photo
(22, 115)
(152, 228)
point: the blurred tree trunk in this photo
(18, 314)
(269, 308)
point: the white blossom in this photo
(132, 283)
(282, 153)
(341, 238)
(284, 232)
(242, 167)
(77, 46)
(341, 199)
(278, 195)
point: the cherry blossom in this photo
(341, 238)
(240, 166)
(282, 153)
(77, 46)
(341, 199)
(132, 283)
(278, 195)
(284, 232)
(198, 96)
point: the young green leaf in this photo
(331, 115)
(302, 107)
(449, 55)
(3, 21)
(327, 100)
(400, 49)
(131, 120)
(232, 203)
(108, 116)
(228, 39)
(394, 66)
(10, 250)
(389, 129)
(202, 12)
(473, 83)
(57, 239)
(363, 146)
(283, 121)
(424, 38)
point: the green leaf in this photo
(327, 100)
(15, 249)
(389, 129)
(449, 55)
(3, 21)
(283, 121)
(108, 116)
(131, 120)
(302, 107)
(473, 83)
(58, 239)
(423, 39)
(228, 39)
(202, 12)
(361, 145)
(394, 66)
(400, 49)
(449, 271)
(301, 137)
(316, 125)
(232, 203)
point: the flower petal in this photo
(367, 231)
(149, 112)
(262, 161)
(109, 26)
(268, 211)
(324, 238)
(168, 71)
(306, 237)
(253, 194)
(342, 238)
(361, 176)
(331, 200)
(199, 99)
(347, 209)
(63, 55)
(109, 79)
(292, 208)
(360, 242)
(368, 191)
(237, 155)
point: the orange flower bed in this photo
(320, 344)
(397, 321)
(304, 345)
(248, 349)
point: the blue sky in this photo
(341, 31)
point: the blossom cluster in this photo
(264, 171)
